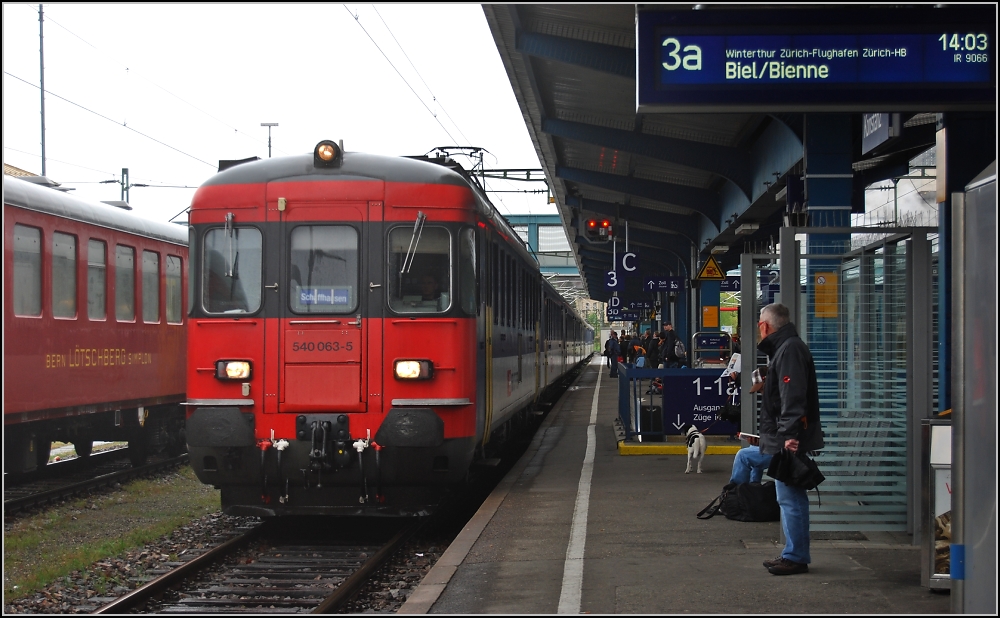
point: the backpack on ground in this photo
(745, 502)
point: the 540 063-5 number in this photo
(321, 346)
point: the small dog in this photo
(696, 445)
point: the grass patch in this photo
(41, 548)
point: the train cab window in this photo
(63, 275)
(173, 289)
(150, 286)
(467, 266)
(324, 269)
(419, 270)
(232, 270)
(97, 280)
(124, 283)
(27, 271)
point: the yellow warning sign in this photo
(711, 271)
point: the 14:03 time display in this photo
(964, 42)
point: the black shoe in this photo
(772, 562)
(787, 567)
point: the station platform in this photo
(578, 526)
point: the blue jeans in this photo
(749, 465)
(794, 505)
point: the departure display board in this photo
(844, 59)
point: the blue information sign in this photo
(694, 396)
(663, 284)
(829, 59)
(730, 284)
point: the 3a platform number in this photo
(322, 346)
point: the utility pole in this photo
(41, 69)
(269, 125)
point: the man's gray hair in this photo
(775, 314)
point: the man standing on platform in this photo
(614, 351)
(789, 420)
(668, 347)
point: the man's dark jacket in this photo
(669, 344)
(790, 402)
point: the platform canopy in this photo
(685, 185)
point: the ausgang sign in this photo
(825, 59)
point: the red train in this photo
(94, 327)
(363, 328)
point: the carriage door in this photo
(317, 287)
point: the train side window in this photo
(63, 275)
(231, 270)
(467, 265)
(97, 282)
(124, 283)
(173, 290)
(419, 270)
(27, 271)
(324, 269)
(150, 286)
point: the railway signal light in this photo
(598, 230)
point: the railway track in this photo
(274, 572)
(78, 476)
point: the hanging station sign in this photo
(837, 59)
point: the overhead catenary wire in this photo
(48, 19)
(436, 100)
(419, 98)
(162, 143)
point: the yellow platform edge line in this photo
(633, 448)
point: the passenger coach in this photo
(363, 328)
(94, 327)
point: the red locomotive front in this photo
(332, 350)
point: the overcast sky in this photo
(167, 90)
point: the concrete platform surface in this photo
(613, 534)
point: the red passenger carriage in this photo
(363, 328)
(94, 326)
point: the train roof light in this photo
(327, 154)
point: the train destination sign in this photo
(824, 59)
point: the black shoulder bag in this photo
(795, 469)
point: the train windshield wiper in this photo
(418, 228)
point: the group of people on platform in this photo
(788, 419)
(656, 351)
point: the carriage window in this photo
(324, 269)
(124, 283)
(231, 270)
(467, 270)
(150, 286)
(63, 275)
(173, 289)
(27, 270)
(419, 274)
(97, 273)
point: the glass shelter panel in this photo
(855, 316)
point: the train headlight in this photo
(233, 370)
(327, 154)
(413, 369)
